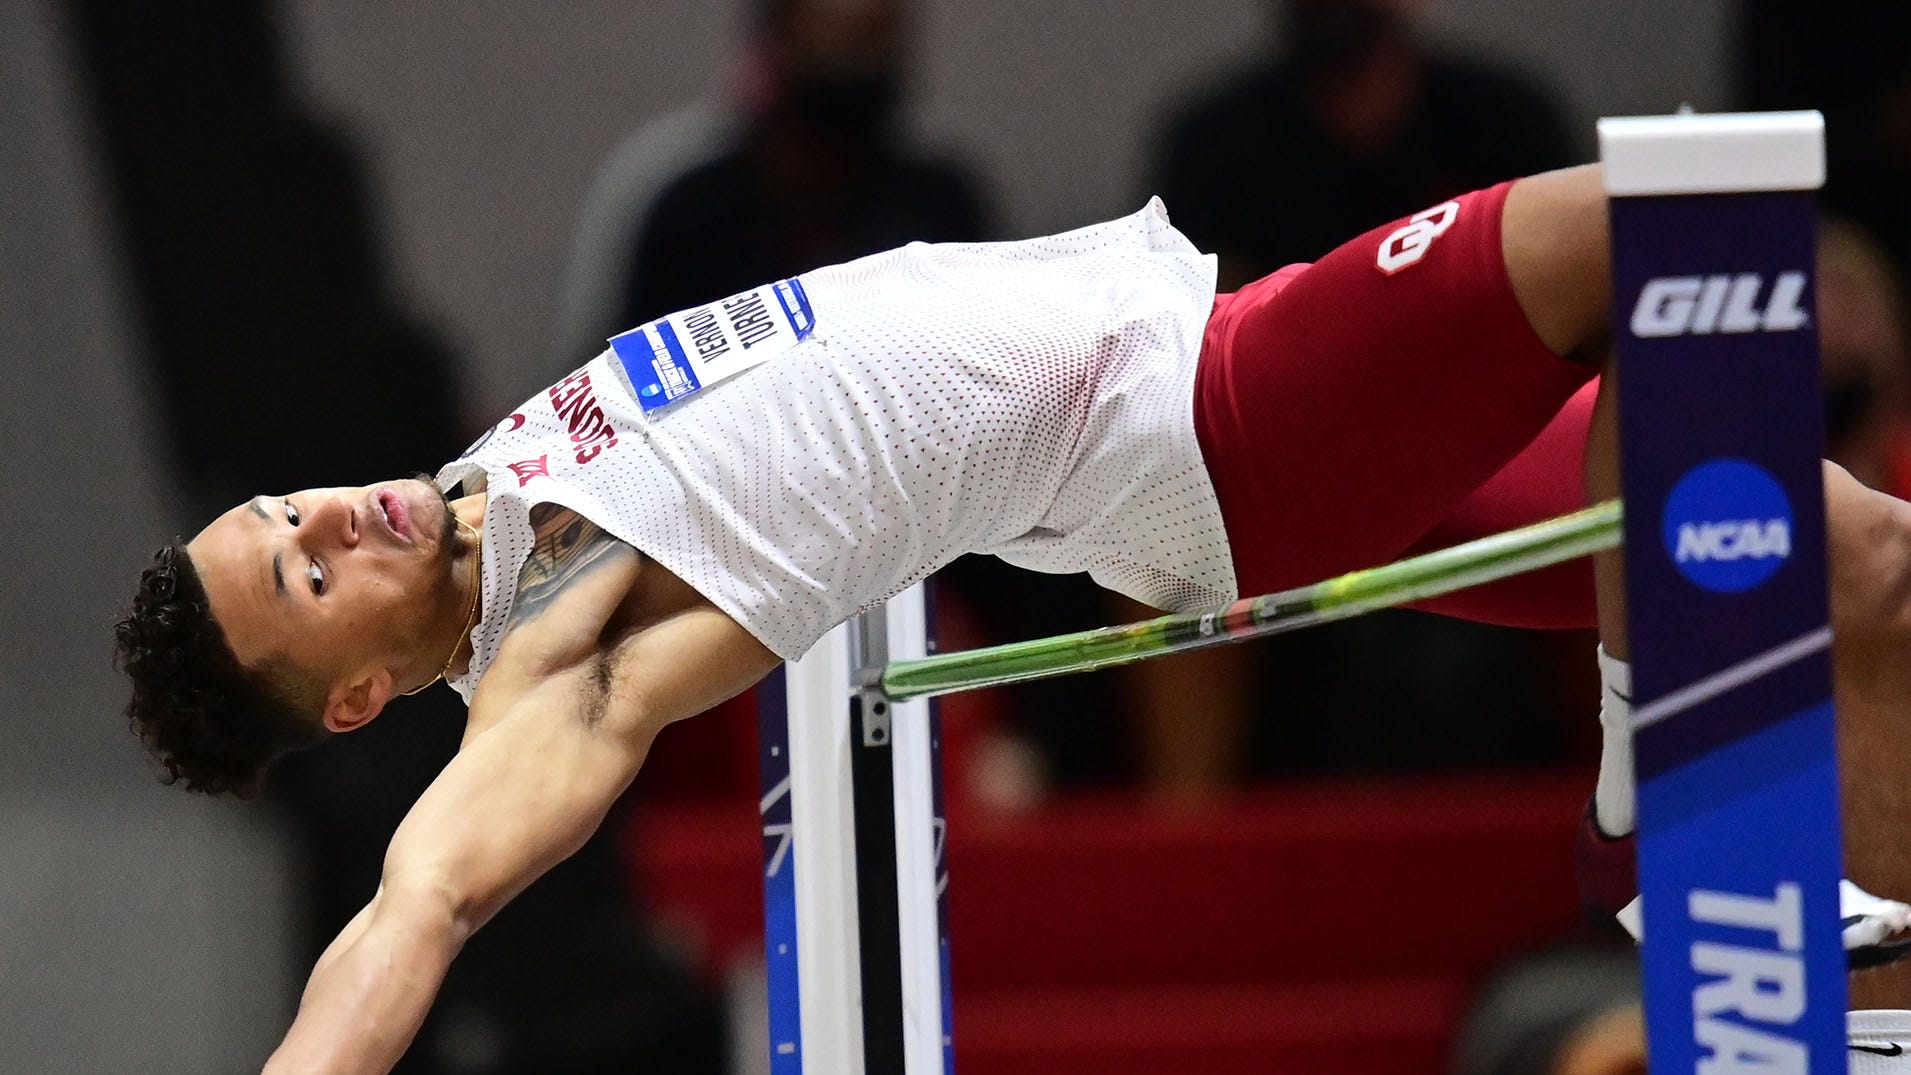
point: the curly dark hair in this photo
(211, 722)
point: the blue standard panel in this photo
(779, 876)
(1721, 431)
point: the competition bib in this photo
(676, 356)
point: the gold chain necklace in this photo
(471, 614)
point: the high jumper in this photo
(706, 498)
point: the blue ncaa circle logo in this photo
(1727, 525)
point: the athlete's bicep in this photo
(684, 663)
(527, 790)
(519, 797)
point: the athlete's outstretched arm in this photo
(522, 794)
(495, 819)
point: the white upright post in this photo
(920, 835)
(822, 855)
(853, 843)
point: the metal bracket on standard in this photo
(869, 656)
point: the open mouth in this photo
(397, 517)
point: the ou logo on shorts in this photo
(1411, 241)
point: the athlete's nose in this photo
(335, 519)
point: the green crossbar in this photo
(1417, 578)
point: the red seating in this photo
(1395, 1026)
(1333, 927)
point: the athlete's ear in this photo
(353, 705)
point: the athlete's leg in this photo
(1558, 253)
(1547, 479)
(1556, 241)
(1347, 410)
(1557, 246)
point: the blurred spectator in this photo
(1573, 1010)
(593, 299)
(1849, 59)
(269, 319)
(264, 305)
(1865, 357)
(1353, 122)
(807, 168)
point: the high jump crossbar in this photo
(1494, 557)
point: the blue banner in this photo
(779, 876)
(1721, 434)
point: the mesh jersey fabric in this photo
(1030, 399)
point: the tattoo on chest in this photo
(566, 548)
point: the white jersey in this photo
(1028, 399)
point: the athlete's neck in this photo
(446, 651)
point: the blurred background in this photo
(255, 245)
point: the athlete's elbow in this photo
(433, 914)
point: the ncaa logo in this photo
(1727, 525)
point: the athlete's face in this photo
(348, 584)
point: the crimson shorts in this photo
(1389, 399)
